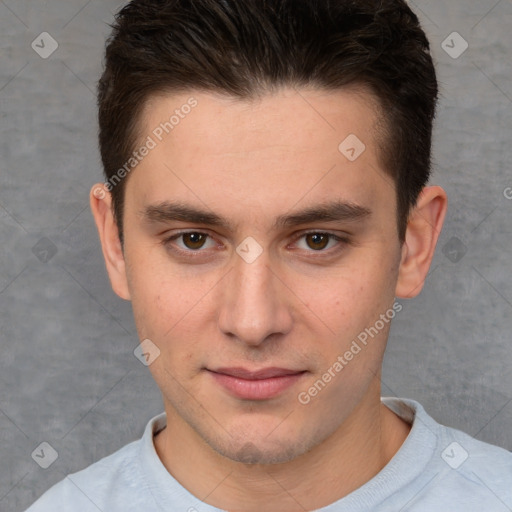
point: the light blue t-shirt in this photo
(437, 469)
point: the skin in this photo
(297, 306)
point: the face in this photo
(256, 252)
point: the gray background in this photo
(68, 375)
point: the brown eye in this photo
(317, 241)
(194, 240)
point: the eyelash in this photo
(190, 253)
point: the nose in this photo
(256, 305)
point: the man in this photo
(266, 202)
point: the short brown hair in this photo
(244, 48)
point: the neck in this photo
(354, 454)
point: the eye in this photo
(191, 241)
(196, 243)
(318, 241)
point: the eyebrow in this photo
(328, 212)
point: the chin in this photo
(260, 451)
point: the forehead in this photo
(291, 146)
(296, 115)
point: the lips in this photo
(260, 384)
(265, 373)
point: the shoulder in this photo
(89, 489)
(114, 481)
(477, 464)
(464, 473)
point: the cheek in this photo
(173, 311)
(161, 297)
(347, 299)
(165, 310)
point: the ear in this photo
(423, 229)
(101, 206)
